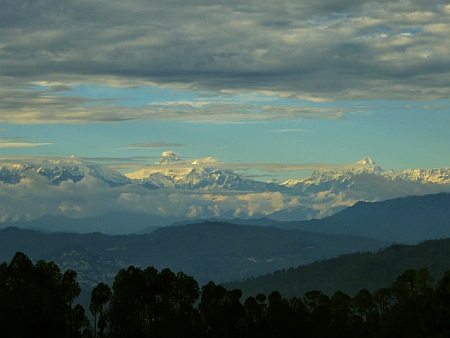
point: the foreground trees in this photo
(36, 300)
(147, 303)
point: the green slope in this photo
(353, 272)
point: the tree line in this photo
(38, 300)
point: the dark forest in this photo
(39, 300)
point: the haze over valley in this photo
(174, 189)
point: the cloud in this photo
(8, 143)
(35, 196)
(21, 144)
(34, 108)
(322, 50)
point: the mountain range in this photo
(365, 174)
(240, 249)
(58, 171)
(407, 220)
(198, 189)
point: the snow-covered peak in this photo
(169, 157)
(340, 173)
(208, 160)
(57, 170)
(366, 160)
(172, 165)
(291, 182)
(437, 175)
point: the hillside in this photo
(208, 251)
(353, 272)
(404, 220)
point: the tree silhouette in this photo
(317, 304)
(100, 296)
(36, 300)
(71, 291)
(340, 311)
(436, 319)
(211, 310)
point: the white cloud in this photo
(9, 144)
(34, 196)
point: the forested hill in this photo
(208, 251)
(353, 272)
(404, 220)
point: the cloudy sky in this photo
(248, 82)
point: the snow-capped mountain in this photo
(59, 170)
(438, 176)
(202, 188)
(336, 177)
(367, 172)
(202, 174)
(203, 178)
(365, 179)
(326, 192)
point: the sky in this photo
(288, 82)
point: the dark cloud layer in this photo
(320, 50)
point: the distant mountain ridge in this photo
(60, 170)
(404, 220)
(410, 220)
(221, 251)
(320, 180)
(351, 176)
(198, 177)
(205, 178)
(209, 250)
(364, 183)
(321, 194)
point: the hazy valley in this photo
(234, 250)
